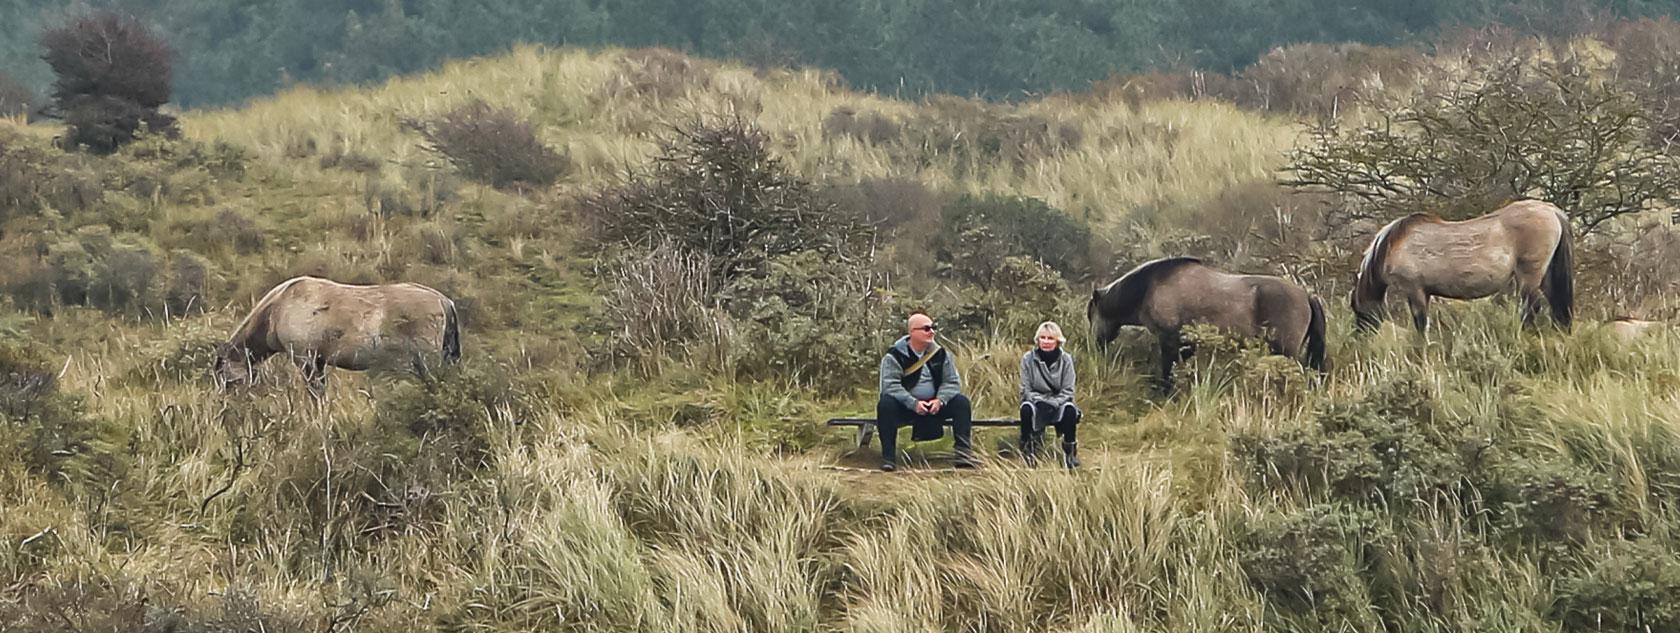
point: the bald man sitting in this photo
(920, 386)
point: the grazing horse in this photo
(318, 323)
(1166, 295)
(1525, 243)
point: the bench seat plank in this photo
(866, 426)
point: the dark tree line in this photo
(234, 49)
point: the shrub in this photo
(1647, 58)
(95, 268)
(1552, 504)
(716, 189)
(1388, 447)
(1554, 131)
(193, 280)
(1016, 292)
(805, 319)
(890, 203)
(113, 72)
(33, 179)
(45, 429)
(122, 271)
(980, 231)
(1309, 562)
(1630, 586)
(182, 353)
(219, 234)
(494, 146)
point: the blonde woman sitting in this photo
(1047, 395)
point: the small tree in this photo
(716, 190)
(113, 74)
(493, 146)
(1555, 131)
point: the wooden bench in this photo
(866, 426)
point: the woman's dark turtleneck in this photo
(1049, 357)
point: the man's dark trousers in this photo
(891, 414)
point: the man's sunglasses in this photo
(927, 328)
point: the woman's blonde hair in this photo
(1050, 327)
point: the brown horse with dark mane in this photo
(1167, 295)
(321, 323)
(1524, 244)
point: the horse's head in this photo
(1103, 329)
(233, 367)
(1367, 317)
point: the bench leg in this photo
(865, 433)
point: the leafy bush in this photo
(45, 429)
(1322, 80)
(33, 179)
(1552, 504)
(981, 231)
(1388, 447)
(1629, 586)
(654, 75)
(494, 146)
(805, 319)
(1016, 294)
(716, 189)
(113, 74)
(116, 273)
(192, 282)
(973, 131)
(1309, 562)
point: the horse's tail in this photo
(1315, 334)
(1559, 282)
(1369, 288)
(451, 332)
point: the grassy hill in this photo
(1486, 479)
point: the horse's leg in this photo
(1172, 352)
(1533, 302)
(314, 368)
(1419, 302)
(421, 371)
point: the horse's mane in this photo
(242, 334)
(1368, 285)
(1131, 288)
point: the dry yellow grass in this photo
(1164, 154)
(606, 507)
